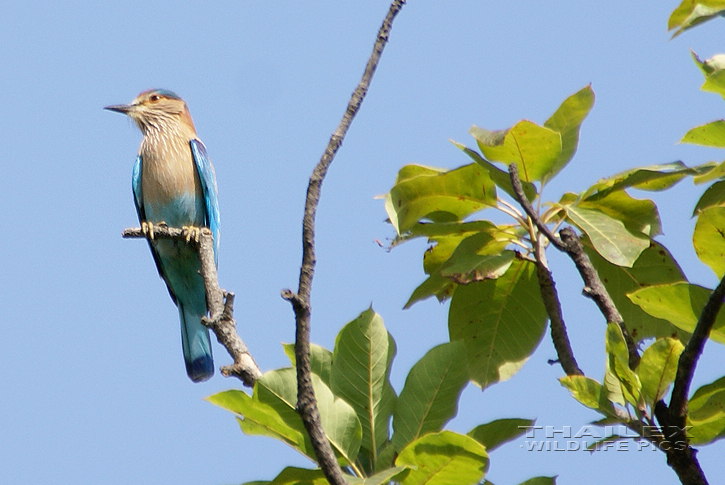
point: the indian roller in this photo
(174, 184)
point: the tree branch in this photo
(572, 246)
(306, 402)
(558, 328)
(219, 302)
(692, 352)
(594, 289)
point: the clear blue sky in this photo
(93, 388)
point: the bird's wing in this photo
(138, 202)
(209, 189)
(136, 186)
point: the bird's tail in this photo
(196, 344)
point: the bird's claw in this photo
(148, 229)
(191, 232)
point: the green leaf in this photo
(303, 476)
(279, 388)
(443, 458)
(707, 172)
(275, 419)
(653, 267)
(364, 351)
(271, 412)
(320, 360)
(637, 215)
(706, 414)
(653, 178)
(293, 475)
(386, 456)
(681, 304)
(381, 478)
(714, 196)
(496, 433)
(430, 396)
(501, 178)
(477, 257)
(618, 365)
(693, 12)
(714, 71)
(438, 229)
(567, 120)
(709, 239)
(446, 244)
(588, 392)
(533, 148)
(605, 442)
(540, 481)
(658, 367)
(439, 196)
(710, 135)
(436, 285)
(609, 236)
(501, 322)
(585, 390)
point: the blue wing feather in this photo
(136, 186)
(209, 189)
(138, 202)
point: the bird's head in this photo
(157, 110)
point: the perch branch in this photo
(306, 402)
(219, 302)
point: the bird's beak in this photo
(121, 108)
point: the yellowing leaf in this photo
(709, 239)
(533, 148)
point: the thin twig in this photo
(529, 209)
(306, 402)
(220, 303)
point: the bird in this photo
(174, 184)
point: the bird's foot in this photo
(148, 229)
(191, 232)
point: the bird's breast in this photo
(170, 184)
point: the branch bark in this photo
(306, 402)
(559, 335)
(673, 420)
(570, 244)
(693, 350)
(220, 303)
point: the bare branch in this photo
(553, 308)
(220, 303)
(306, 402)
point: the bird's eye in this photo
(154, 98)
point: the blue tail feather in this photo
(196, 344)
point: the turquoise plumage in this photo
(173, 183)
